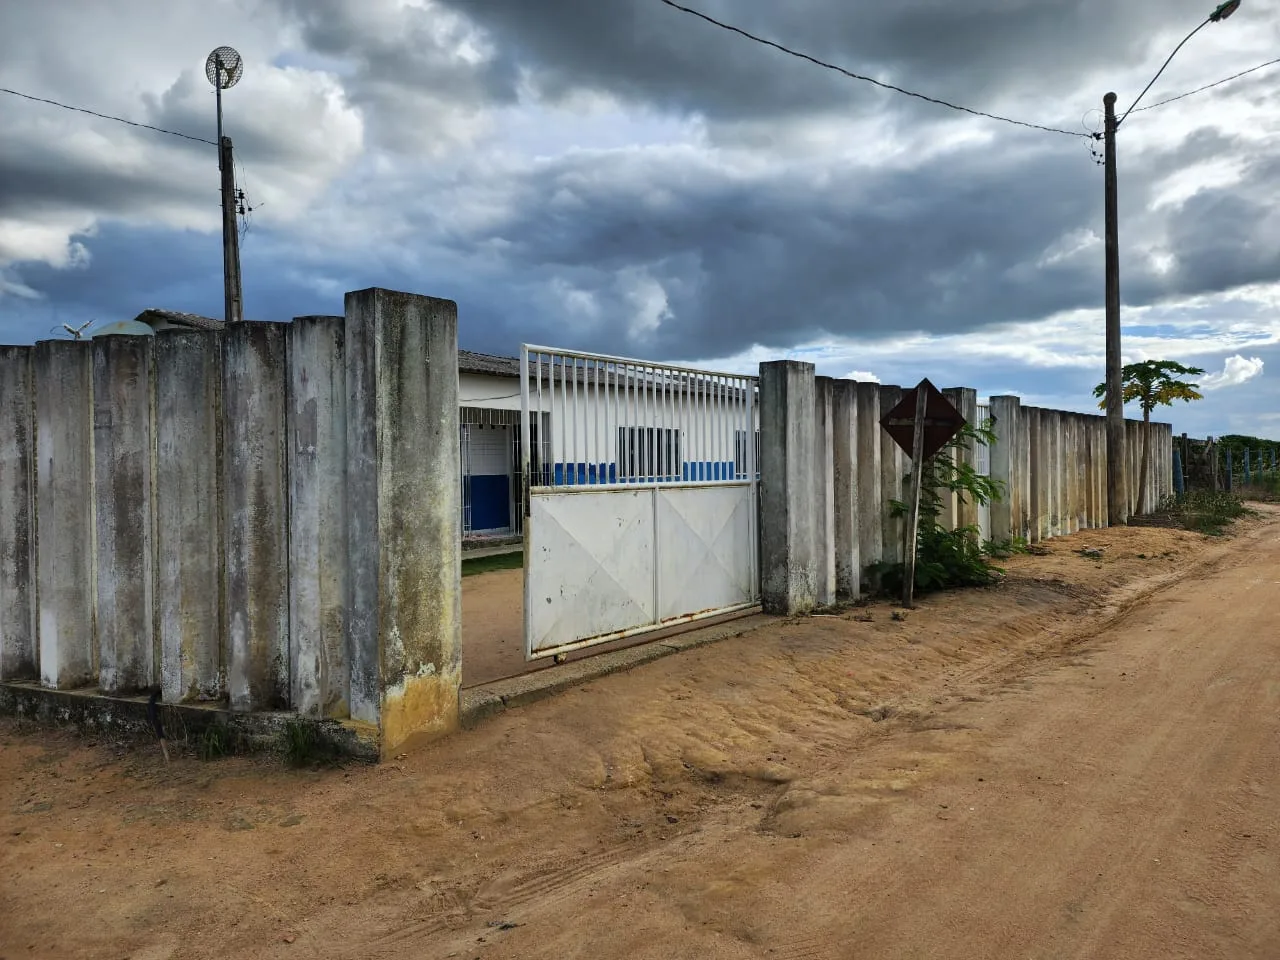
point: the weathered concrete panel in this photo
(950, 515)
(188, 505)
(844, 454)
(1023, 517)
(870, 500)
(892, 472)
(404, 501)
(122, 448)
(317, 448)
(824, 504)
(966, 401)
(63, 379)
(1036, 527)
(255, 512)
(1006, 414)
(788, 572)
(1081, 455)
(17, 516)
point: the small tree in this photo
(1152, 383)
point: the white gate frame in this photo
(684, 422)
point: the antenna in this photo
(224, 68)
(76, 331)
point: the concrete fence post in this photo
(867, 457)
(844, 451)
(190, 583)
(404, 513)
(966, 401)
(122, 457)
(64, 513)
(824, 503)
(894, 466)
(255, 514)
(789, 571)
(18, 644)
(1006, 416)
(317, 451)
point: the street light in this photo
(1117, 488)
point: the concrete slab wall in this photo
(818, 505)
(255, 514)
(190, 582)
(18, 660)
(824, 504)
(870, 498)
(317, 450)
(1006, 467)
(965, 400)
(404, 510)
(63, 378)
(789, 565)
(844, 453)
(122, 484)
(893, 468)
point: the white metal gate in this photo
(640, 502)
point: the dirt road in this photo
(1083, 763)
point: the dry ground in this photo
(1082, 763)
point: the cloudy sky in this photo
(619, 176)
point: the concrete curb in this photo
(490, 699)
(91, 711)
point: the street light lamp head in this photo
(1224, 10)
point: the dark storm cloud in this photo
(948, 247)
(648, 52)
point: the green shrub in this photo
(945, 558)
(1205, 511)
(304, 745)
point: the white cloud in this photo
(1235, 371)
(862, 376)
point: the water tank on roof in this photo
(125, 328)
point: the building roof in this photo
(469, 362)
(153, 316)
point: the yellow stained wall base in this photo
(419, 709)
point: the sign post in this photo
(922, 424)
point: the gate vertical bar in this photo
(526, 482)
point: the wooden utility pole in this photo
(234, 312)
(1117, 488)
(912, 527)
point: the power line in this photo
(1207, 86)
(1207, 21)
(857, 76)
(106, 116)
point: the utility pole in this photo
(224, 69)
(234, 310)
(1117, 488)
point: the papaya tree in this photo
(1150, 384)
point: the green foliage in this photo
(1154, 383)
(304, 745)
(945, 558)
(500, 561)
(216, 741)
(1205, 511)
(1004, 549)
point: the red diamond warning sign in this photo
(942, 420)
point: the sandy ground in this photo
(493, 630)
(1080, 763)
(492, 626)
